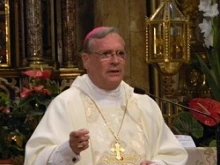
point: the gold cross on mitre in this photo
(118, 150)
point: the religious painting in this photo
(5, 54)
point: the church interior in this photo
(48, 35)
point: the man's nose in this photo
(114, 58)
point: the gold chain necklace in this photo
(117, 147)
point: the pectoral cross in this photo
(118, 150)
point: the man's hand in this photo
(79, 140)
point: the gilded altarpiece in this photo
(189, 82)
(192, 80)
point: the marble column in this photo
(34, 32)
(69, 33)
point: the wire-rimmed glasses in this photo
(107, 55)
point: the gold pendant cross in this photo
(117, 149)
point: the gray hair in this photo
(99, 34)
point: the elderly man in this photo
(99, 120)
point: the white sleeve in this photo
(63, 155)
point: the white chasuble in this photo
(102, 141)
(142, 135)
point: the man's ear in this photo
(85, 60)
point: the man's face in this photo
(105, 73)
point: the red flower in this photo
(208, 106)
(4, 109)
(25, 92)
(46, 91)
(38, 74)
(37, 89)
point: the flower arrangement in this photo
(203, 127)
(210, 28)
(211, 69)
(20, 116)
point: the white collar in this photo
(103, 97)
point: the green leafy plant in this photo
(185, 124)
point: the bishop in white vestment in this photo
(124, 129)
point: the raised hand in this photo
(79, 140)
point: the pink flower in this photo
(46, 91)
(38, 74)
(36, 89)
(4, 109)
(25, 92)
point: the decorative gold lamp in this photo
(167, 38)
(167, 48)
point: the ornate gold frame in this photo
(5, 48)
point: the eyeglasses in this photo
(107, 55)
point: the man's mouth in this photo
(113, 71)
